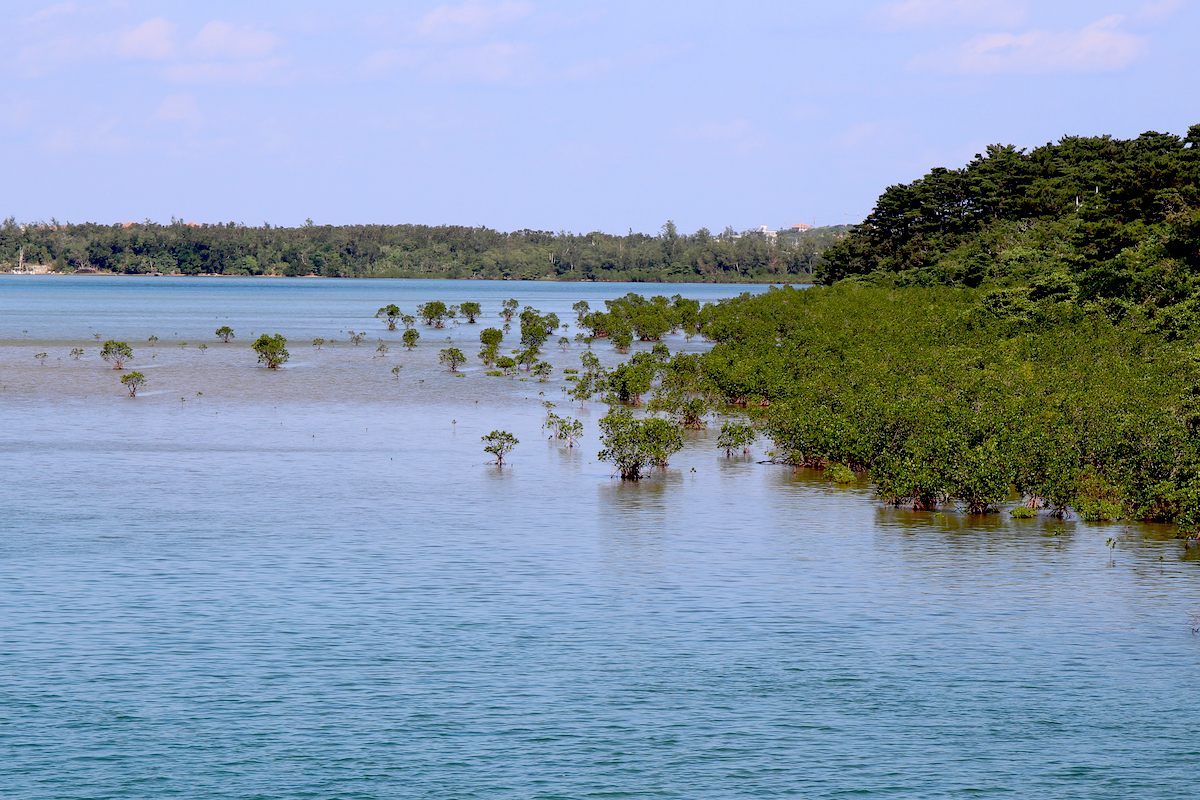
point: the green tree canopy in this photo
(116, 353)
(632, 445)
(391, 314)
(271, 350)
(133, 381)
(499, 444)
(470, 310)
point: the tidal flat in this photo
(247, 583)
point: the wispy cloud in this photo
(1157, 13)
(1099, 47)
(632, 60)
(938, 13)
(471, 18)
(58, 10)
(496, 62)
(222, 40)
(153, 40)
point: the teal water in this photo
(250, 584)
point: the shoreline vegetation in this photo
(942, 402)
(1024, 329)
(413, 251)
(1028, 323)
(926, 393)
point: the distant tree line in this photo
(414, 251)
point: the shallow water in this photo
(307, 583)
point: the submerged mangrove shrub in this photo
(735, 436)
(133, 381)
(499, 443)
(271, 350)
(390, 314)
(631, 445)
(840, 474)
(451, 357)
(116, 353)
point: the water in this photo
(307, 583)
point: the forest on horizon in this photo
(415, 251)
(1101, 222)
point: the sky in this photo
(549, 115)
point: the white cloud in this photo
(43, 58)
(152, 40)
(929, 13)
(221, 40)
(1157, 13)
(1099, 47)
(631, 61)
(179, 108)
(471, 17)
(494, 63)
(497, 62)
(53, 11)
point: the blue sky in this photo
(553, 115)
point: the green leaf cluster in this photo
(499, 444)
(944, 400)
(1106, 223)
(271, 350)
(633, 445)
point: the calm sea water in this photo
(308, 584)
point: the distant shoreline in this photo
(747, 280)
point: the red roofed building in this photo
(802, 227)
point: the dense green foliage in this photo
(133, 381)
(499, 444)
(490, 339)
(470, 310)
(452, 357)
(633, 316)
(735, 436)
(391, 313)
(413, 251)
(564, 429)
(433, 313)
(632, 445)
(945, 399)
(536, 329)
(1110, 222)
(116, 353)
(272, 350)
